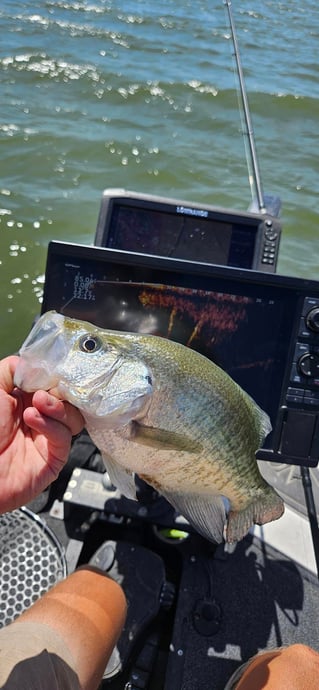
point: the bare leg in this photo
(87, 610)
(295, 667)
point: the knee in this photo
(300, 652)
(295, 667)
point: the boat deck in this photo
(196, 612)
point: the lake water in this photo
(143, 95)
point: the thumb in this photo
(8, 366)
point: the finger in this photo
(8, 366)
(61, 411)
(51, 438)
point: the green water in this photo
(143, 96)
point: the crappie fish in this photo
(163, 411)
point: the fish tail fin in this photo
(264, 508)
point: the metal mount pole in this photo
(249, 127)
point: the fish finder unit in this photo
(167, 227)
(263, 329)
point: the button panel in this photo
(270, 243)
(303, 390)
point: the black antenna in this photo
(245, 104)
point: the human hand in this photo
(35, 439)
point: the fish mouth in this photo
(34, 372)
(30, 378)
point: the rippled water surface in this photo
(143, 95)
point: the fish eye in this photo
(90, 343)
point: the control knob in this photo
(312, 319)
(308, 365)
(271, 232)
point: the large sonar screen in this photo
(248, 323)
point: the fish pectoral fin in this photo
(206, 514)
(162, 439)
(121, 478)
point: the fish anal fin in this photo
(205, 513)
(120, 477)
(258, 512)
(162, 439)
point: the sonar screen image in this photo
(240, 333)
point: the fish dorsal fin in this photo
(163, 439)
(120, 477)
(263, 418)
(265, 426)
(205, 513)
